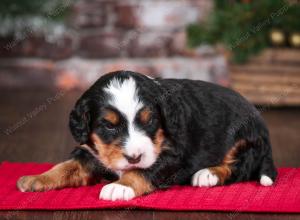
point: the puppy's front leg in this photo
(67, 174)
(131, 184)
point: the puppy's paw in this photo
(115, 191)
(34, 184)
(265, 180)
(204, 177)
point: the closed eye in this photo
(149, 121)
(110, 119)
(109, 126)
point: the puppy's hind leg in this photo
(212, 176)
(218, 175)
(268, 171)
(205, 177)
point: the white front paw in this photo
(114, 191)
(204, 178)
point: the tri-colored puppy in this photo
(145, 134)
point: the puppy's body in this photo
(148, 133)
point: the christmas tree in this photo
(244, 27)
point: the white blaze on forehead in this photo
(124, 97)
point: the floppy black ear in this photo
(79, 121)
(172, 112)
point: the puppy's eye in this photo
(110, 120)
(109, 126)
(149, 122)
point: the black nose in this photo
(133, 159)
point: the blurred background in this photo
(52, 50)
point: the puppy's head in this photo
(120, 117)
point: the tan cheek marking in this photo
(135, 180)
(224, 170)
(112, 117)
(109, 154)
(145, 115)
(158, 141)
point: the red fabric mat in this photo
(284, 196)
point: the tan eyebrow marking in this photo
(145, 115)
(111, 116)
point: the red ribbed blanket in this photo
(283, 196)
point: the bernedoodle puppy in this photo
(144, 134)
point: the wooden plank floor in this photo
(34, 125)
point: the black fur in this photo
(93, 166)
(201, 121)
